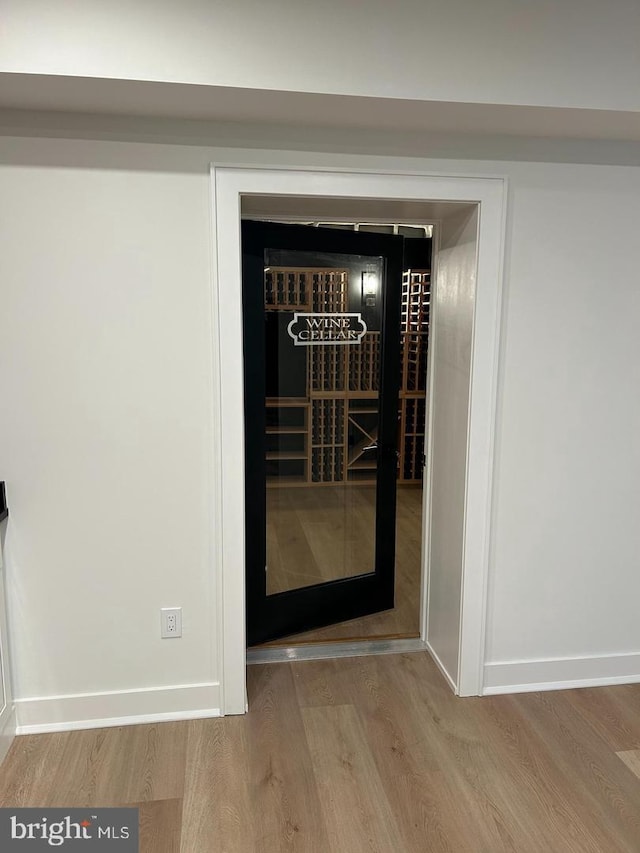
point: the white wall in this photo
(105, 382)
(578, 53)
(106, 426)
(566, 577)
(450, 372)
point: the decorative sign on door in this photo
(311, 329)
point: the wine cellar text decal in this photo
(310, 329)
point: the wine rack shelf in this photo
(296, 289)
(324, 437)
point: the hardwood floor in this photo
(318, 533)
(361, 754)
(322, 533)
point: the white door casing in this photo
(229, 184)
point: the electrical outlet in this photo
(170, 622)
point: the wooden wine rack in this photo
(416, 300)
(416, 304)
(298, 289)
(364, 364)
(327, 368)
(329, 440)
(411, 438)
(323, 437)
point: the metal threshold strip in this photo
(323, 651)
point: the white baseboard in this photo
(561, 673)
(117, 708)
(7, 732)
(441, 667)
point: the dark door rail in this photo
(4, 511)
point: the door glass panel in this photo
(322, 364)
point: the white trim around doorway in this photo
(229, 184)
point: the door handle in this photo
(382, 448)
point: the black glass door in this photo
(321, 367)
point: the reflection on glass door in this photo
(322, 324)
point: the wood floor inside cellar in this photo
(321, 533)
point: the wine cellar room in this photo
(321, 426)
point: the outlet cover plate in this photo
(170, 622)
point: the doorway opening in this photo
(470, 215)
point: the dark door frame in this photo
(274, 616)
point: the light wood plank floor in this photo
(327, 532)
(362, 754)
